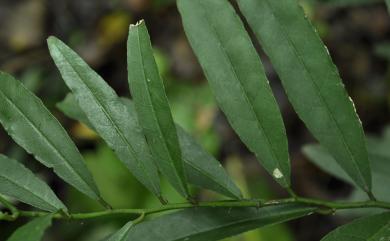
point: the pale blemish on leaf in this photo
(277, 173)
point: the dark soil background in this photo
(358, 38)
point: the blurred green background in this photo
(357, 33)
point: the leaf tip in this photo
(137, 24)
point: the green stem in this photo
(325, 207)
(14, 211)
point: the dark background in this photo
(356, 32)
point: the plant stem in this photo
(14, 211)
(325, 207)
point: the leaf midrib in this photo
(155, 116)
(329, 110)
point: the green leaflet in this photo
(202, 169)
(372, 228)
(107, 114)
(237, 78)
(121, 234)
(311, 81)
(34, 128)
(32, 231)
(152, 107)
(19, 182)
(388, 5)
(379, 161)
(200, 224)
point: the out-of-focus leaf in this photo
(200, 224)
(121, 234)
(383, 49)
(388, 5)
(34, 128)
(346, 3)
(152, 107)
(372, 228)
(109, 117)
(236, 76)
(379, 159)
(311, 81)
(32, 231)
(202, 169)
(19, 182)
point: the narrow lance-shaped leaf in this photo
(372, 228)
(19, 182)
(237, 78)
(311, 81)
(34, 128)
(152, 107)
(32, 231)
(200, 224)
(109, 117)
(121, 234)
(202, 169)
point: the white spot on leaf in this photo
(277, 173)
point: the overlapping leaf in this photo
(32, 231)
(19, 182)
(311, 81)
(379, 154)
(372, 228)
(109, 117)
(34, 128)
(202, 169)
(237, 78)
(152, 107)
(121, 234)
(200, 224)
